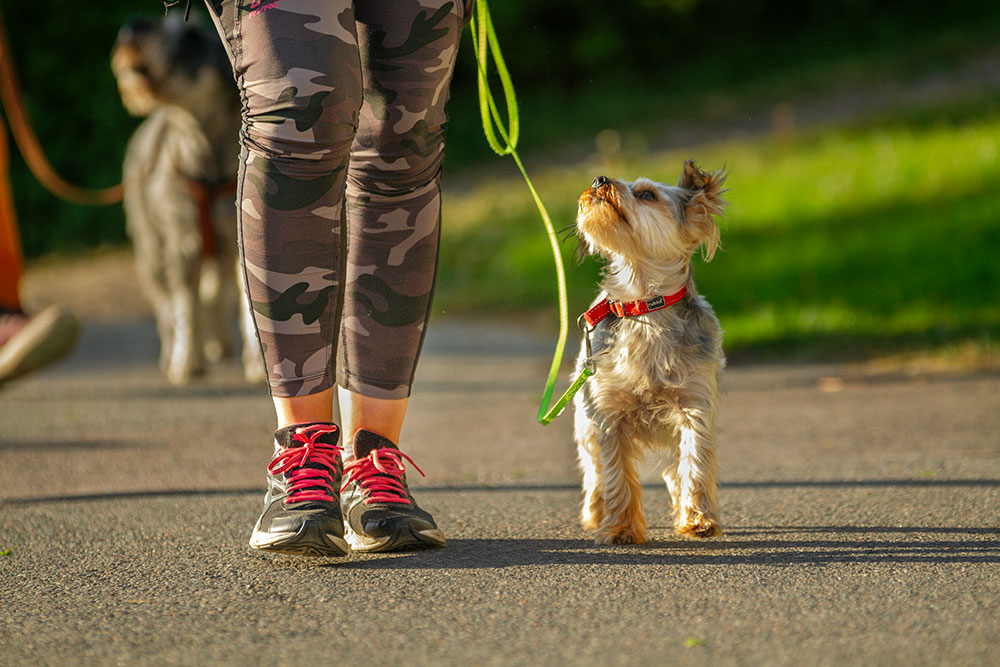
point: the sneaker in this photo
(28, 343)
(302, 505)
(379, 512)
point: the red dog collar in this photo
(631, 308)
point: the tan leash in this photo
(204, 196)
(27, 141)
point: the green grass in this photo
(843, 243)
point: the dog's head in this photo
(168, 61)
(651, 228)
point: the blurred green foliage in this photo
(578, 68)
(841, 243)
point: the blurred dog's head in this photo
(168, 61)
(649, 229)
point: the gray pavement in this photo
(862, 519)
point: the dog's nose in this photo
(599, 181)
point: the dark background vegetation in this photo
(578, 67)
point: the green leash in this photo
(485, 43)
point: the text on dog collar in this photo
(631, 308)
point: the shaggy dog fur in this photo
(656, 384)
(177, 75)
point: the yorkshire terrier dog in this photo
(656, 348)
(179, 180)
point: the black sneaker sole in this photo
(310, 540)
(404, 539)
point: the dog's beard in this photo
(603, 204)
(601, 221)
(133, 85)
(620, 229)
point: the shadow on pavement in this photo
(852, 548)
(505, 488)
(68, 445)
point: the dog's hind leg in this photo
(253, 359)
(251, 355)
(692, 489)
(215, 308)
(623, 521)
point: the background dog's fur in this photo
(177, 75)
(656, 384)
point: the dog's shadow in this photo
(774, 546)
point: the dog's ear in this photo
(703, 203)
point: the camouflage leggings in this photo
(339, 197)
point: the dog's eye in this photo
(647, 195)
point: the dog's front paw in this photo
(698, 525)
(620, 535)
(589, 522)
(180, 374)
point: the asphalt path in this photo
(861, 512)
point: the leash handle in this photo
(486, 44)
(484, 37)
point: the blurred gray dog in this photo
(179, 190)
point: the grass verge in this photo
(842, 243)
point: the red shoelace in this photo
(308, 483)
(381, 475)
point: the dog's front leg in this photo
(186, 354)
(692, 486)
(589, 450)
(623, 521)
(152, 275)
(183, 272)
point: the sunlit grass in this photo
(845, 242)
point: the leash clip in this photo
(546, 416)
(589, 361)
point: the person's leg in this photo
(379, 415)
(301, 409)
(298, 69)
(408, 52)
(394, 205)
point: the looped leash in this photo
(484, 40)
(486, 45)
